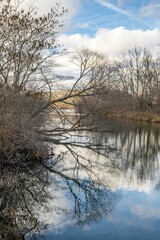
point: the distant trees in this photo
(96, 74)
(134, 85)
(139, 76)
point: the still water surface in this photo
(126, 203)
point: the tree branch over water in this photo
(30, 106)
(32, 119)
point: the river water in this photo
(113, 191)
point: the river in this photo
(113, 188)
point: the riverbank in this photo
(138, 116)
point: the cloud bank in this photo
(113, 41)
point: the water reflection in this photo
(33, 186)
(23, 188)
(83, 183)
(134, 148)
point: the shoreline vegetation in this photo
(146, 116)
(136, 116)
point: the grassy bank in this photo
(138, 116)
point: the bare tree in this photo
(98, 72)
(139, 76)
(26, 42)
(29, 105)
(28, 118)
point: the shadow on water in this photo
(87, 170)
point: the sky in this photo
(108, 26)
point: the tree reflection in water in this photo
(84, 171)
(134, 147)
(24, 188)
(139, 151)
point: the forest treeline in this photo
(134, 86)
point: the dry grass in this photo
(59, 94)
(139, 116)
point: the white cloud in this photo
(112, 41)
(146, 211)
(109, 42)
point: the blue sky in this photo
(131, 14)
(108, 26)
(111, 26)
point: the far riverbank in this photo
(137, 116)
